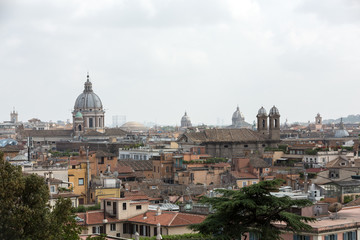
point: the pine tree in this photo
(252, 209)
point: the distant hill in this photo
(348, 119)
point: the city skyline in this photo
(151, 61)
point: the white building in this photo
(322, 158)
(141, 153)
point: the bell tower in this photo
(13, 116)
(318, 122)
(274, 124)
(262, 122)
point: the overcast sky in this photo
(152, 60)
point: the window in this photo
(141, 230)
(301, 237)
(349, 235)
(126, 228)
(154, 169)
(254, 182)
(253, 236)
(331, 237)
(155, 231)
(52, 189)
(244, 184)
(118, 235)
(167, 169)
(246, 145)
(98, 229)
(108, 203)
(124, 206)
(113, 227)
(81, 181)
(138, 207)
(91, 122)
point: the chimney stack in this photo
(158, 211)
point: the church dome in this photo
(237, 115)
(133, 127)
(341, 132)
(88, 100)
(185, 121)
(262, 111)
(274, 111)
(78, 115)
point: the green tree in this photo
(252, 209)
(24, 209)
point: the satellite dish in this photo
(335, 207)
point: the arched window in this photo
(79, 128)
(263, 123)
(276, 123)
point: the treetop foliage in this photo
(253, 209)
(24, 208)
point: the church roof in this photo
(224, 135)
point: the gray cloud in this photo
(152, 60)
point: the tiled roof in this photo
(258, 163)
(11, 148)
(221, 165)
(225, 135)
(115, 132)
(243, 175)
(124, 169)
(169, 219)
(137, 165)
(91, 133)
(47, 133)
(104, 154)
(314, 170)
(95, 217)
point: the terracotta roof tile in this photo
(168, 218)
(95, 217)
(137, 165)
(48, 133)
(243, 175)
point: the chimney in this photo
(51, 175)
(158, 211)
(144, 216)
